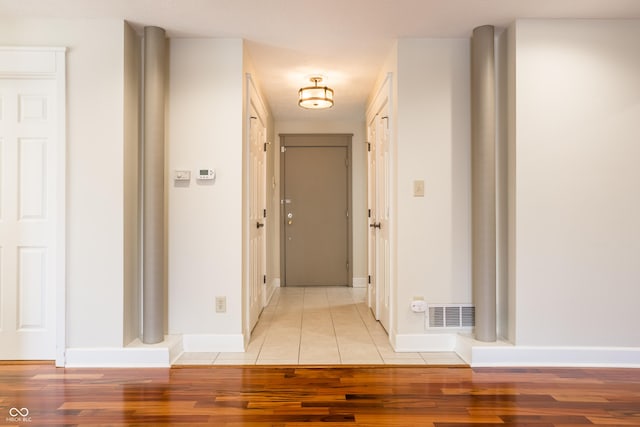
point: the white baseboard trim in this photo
(423, 342)
(213, 343)
(605, 357)
(360, 282)
(503, 354)
(135, 355)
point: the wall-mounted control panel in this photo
(206, 174)
(181, 175)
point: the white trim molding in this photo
(135, 355)
(504, 354)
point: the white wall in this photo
(433, 134)
(577, 198)
(359, 184)
(95, 64)
(205, 219)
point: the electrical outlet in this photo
(221, 304)
(418, 306)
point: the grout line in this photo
(333, 326)
(304, 294)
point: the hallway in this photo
(322, 325)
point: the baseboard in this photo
(423, 342)
(503, 354)
(135, 355)
(213, 343)
(360, 282)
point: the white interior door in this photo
(383, 199)
(373, 208)
(28, 202)
(257, 216)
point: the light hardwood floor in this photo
(319, 326)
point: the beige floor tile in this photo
(237, 356)
(196, 358)
(277, 362)
(442, 358)
(276, 352)
(180, 362)
(315, 354)
(403, 361)
(362, 361)
(321, 325)
(234, 362)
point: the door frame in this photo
(49, 63)
(319, 140)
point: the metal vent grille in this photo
(451, 316)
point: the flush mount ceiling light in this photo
(315, 97)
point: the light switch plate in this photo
(181, 175)
(418, 188)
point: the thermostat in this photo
(206, 173)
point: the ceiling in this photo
(344, 40)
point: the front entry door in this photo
(316, 215)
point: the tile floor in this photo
(320, 325)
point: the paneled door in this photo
(372, 235)
(28, 202)
(383, 210)
(257, 215)
(379, 200)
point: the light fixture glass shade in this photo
(315, 97)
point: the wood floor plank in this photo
(338, 396)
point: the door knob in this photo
(375, 225)
(259, 224)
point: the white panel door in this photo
(373, 209)
(383, 210)
(28, 197)
(257, 216)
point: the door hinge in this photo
(347, 265)
(346, 162)
(386, 118)
(347, 213)
(283, 149)
(369, 213)
(264, 279)
(265, 147)
(264, 213)
(368, 146)
(369, 279)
